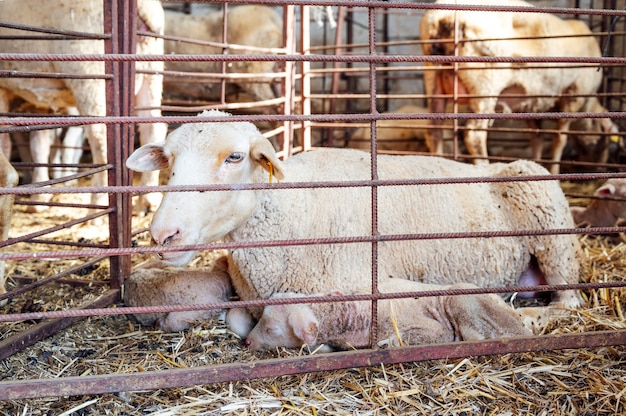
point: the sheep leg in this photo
(476, 135)
(476, 140)
(96, 135)
(40, 144)
(5, 139)
(240, 321)
(536, 318)
(433, 83)
(476, 317)
(558, 144)
(179, 321)
(72, 149)
(557, 255)
(536, 141)
(430, 331)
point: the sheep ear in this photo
(304, 325)
(606, 190)
(148, 157)
(263, 152)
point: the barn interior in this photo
(342, 74)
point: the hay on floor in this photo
(580, 382)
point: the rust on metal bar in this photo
(110, 383)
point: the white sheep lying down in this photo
(234, 153)
(402, 321)
(87, 95)
(247, 25)
(543, 87)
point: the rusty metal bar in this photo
(445, 59)
(72, 313)
(304, 242)
(121, 62)
(64, 34)
(24, 121)
(152, 380)
(120, 17)
(383, 4)
(318, 184)
(374, 175)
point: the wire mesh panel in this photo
(478, 82)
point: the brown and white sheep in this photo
(512, 87)
(87, 95)
(422, 320)
(247, 25)
(235, 153)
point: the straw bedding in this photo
(572, 382)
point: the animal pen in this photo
(64, 330)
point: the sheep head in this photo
(206, 153)
(290, 326)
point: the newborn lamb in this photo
(155, 287)
(342, 325)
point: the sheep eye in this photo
(234, 158)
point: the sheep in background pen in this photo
(247, 25)
(87, 95)
(541, 87)
(236, 153)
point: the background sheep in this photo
(87, 95)
(234, 153)
(342, 325)
(43, 146)
(604, 212)
(248, 25)
(8, 179)
(546, 87)
(154, 287)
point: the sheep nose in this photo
(166, 237)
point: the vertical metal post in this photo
(613, 77)
(335, 78)
(374, 153)
(225, 51)
(289, 39)
(120, 20)
(305, 49)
